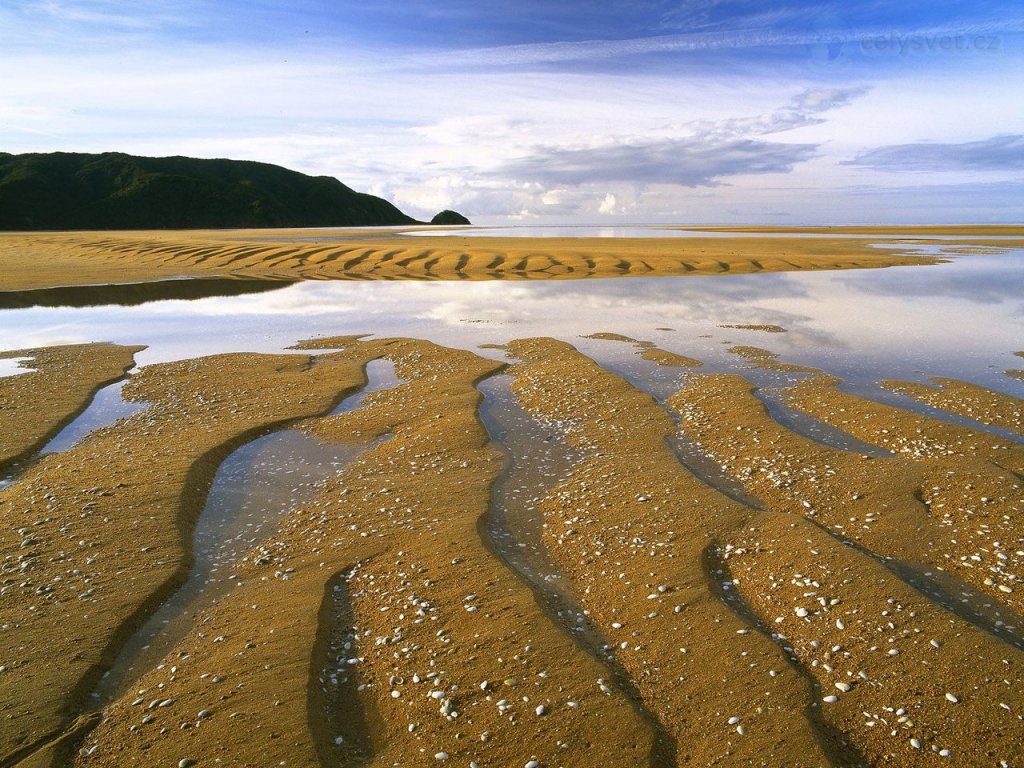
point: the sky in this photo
(538, 112)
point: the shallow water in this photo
(107, 406)
(255, 486)
(963, 319)
(655, 230)
(12, 366)
(537, 460)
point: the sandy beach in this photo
(511, 385)
(846, 609)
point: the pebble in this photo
(532, 764)
(844, 687)
(915, 743)
(950, 697)
(541, 710)
(441, 756)
(185, 762)
(830, 699)
(801, 612)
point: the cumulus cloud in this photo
(999, 153)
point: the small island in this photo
(450, 219)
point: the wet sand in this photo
(59, 384)
(848, 609)
(95, 258)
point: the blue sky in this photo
(540, 112)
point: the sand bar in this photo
(92, 258)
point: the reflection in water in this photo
(107, 406)
(673, 230)
(860, 325)
(134, 294)
(563, 231)
(13, 366)
(254, 488)
(537, 460)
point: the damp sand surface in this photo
(627, 545)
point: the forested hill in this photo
(60, 191)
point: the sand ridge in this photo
(387, 634)
(633, 529)
(859, 610)
(86, 258)
(969, 400)
(887, 506)
(34, 406)
(93, 536)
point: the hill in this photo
(59, 191)
(450, 218)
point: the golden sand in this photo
(969, 400)
(103, 530)
(864, 610)
(62, 380)
(89, 258)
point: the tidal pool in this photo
(963, 319)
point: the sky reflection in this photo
(962, 319)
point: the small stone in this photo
(951, 698)
(185, 762)
(830, 699)
(541, 710)
(441, 756)
(915, 743)
(801, 612)
(844, 687)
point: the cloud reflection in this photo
(855, 323)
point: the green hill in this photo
(61, 190)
